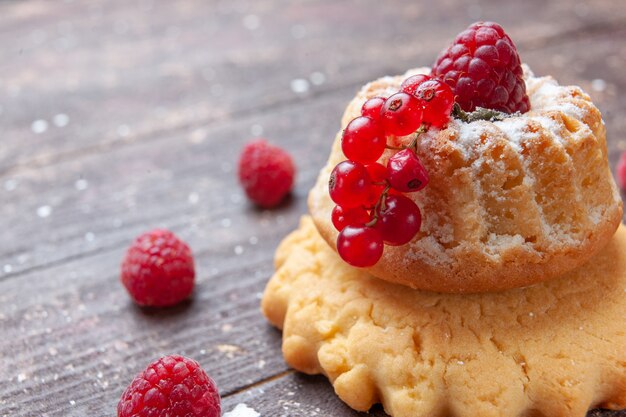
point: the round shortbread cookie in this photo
(555, 349)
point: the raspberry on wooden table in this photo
(158, 269)
(483, 68)
(173, 386)
(266, 173)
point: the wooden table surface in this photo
(118, 116)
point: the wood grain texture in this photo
(159, 98)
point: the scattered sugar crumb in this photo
(123, 131)
(10, 185)
(299, 85)
(198, 136)
(39, 126)
(598, 85)
(256, 130)
(61, 120)
(21, 378)
(227, 327)
(81, 184)
(242, 410)
(238, 250)
(193, 198)
(229, 350)
(44, 211)
(317, 78)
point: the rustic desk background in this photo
(117, 116)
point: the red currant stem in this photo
(413, 145)
(479, 114)
(380, 205)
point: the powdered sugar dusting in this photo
(242, 410)
(545, 95)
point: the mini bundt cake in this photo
(509, 203)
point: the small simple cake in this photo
(509, 203)
(473, 181)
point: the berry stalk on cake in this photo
(472, 176)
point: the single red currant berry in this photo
(371, 108)
(360, 246)
(349, 184)
(401, 114)
(410, 84)
(399, 221)
(363, 140)
(378, 175)
(343, 217)
(405, 172)
(438, 99)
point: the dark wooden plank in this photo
(123, 71)
(150, 187)
(144, 185)
(71, 339)
(297, 395)
(76, 340)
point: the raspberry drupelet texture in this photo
(483, 68)
(266, 173)
(158, 269)
(173, 386)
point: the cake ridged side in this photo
(509, 203)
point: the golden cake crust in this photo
(555, 349)
(509, 203)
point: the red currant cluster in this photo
(371, 208)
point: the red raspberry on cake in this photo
(158, 269)
(483, 68)
(173, 386)
(266, 173)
